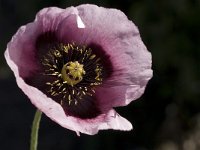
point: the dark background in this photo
(166, 117)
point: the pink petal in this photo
(110, 120)
(121, 40)
(53, 110)
(22, 46)
(108, 28)
(21, 49)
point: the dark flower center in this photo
(76, 72)
(70, 74)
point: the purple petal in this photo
(53, 110)
(118, 37)
(22, 47)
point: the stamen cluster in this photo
(76, 72)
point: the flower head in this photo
(76, 64)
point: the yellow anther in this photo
(72, 72)
(57, 53)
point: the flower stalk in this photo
(34, 130)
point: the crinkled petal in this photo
(50, 18)
(110, 120)
(121, 40)
(23, 49)
(108, 28)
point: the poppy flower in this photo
(77, 64)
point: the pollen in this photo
(75, 73)
(72, 72)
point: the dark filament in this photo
(53, 63)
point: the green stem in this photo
(34, 130)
